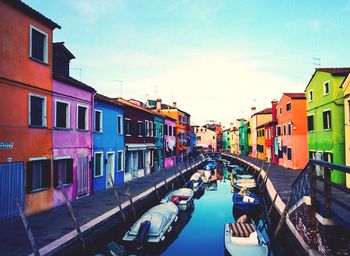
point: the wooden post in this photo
(313, 184)
(117, 198)
(272, 204)
(128, 194)
(71, 212)
(27, 228)
(155, 187)
(327, 192)
(166, 184)
(282, 220)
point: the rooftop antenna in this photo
(121, 87)
(316, 61)
(80, 71)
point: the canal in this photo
(198, 231)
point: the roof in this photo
(133, 105)
(64, 49)
(105, 99)
(166, 106)
(342, 71)
(298, 95)
(19, 5)
(71, 81)
(263, 112)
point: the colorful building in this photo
(206, 139)
(216, 127)
(325, 117)
(72, 125)
(260, 142)
(269, 145)
(138, 138)
(272, 126)
(258, 119)
(234, 139)
(158, 141)
(26, 101)
(169, 142)
(346, 88)
(108, 143)
(243, 137)
(226, 140)
(292, 130)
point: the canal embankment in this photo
(54, 231)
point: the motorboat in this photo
(196, 185)
(244, 239)
(205, 175)
(246, 203)
(182, 198)
(244, 176)
(153, 225)
(211, 165)
(244, 181)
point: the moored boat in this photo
(244, 239)
(182, 198)
(196, 186)
(153, 225)
(246, 203)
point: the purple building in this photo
(72, 125)
(169, 142)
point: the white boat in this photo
(182, 198)
(153, 225)
(244, 239)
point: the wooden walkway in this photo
(49, 226)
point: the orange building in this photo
(291, 137)
(26, 98)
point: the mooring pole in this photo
(128, 194)
(71, 212)
(27, 228)
(155, 187)
(166, 183)
(117, 198)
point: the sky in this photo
(215, 58)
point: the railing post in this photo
(313, 184)
(327, 192)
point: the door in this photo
(11, 187)
(83, 176)
(110, 168)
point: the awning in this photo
(135, 146)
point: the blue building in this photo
(158, 141)
(108, 142)
(192, 142)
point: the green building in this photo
(226, 140)
(243, 137)
(325, 117)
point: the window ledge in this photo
(120, 170)
(38, 190)
(39, 61)
(128, 135)
(37, 126)
(98, 176)
(63, 128)
(328, 129)
(98, 132)
(139, 136)
(80, 130)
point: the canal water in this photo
(197, 232)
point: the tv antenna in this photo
(316, 61)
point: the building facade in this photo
(158, 141)
(206, 139)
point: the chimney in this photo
(159, 105)
(253, 110)
(274, 110)
(174, 104)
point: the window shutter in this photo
(29, 176)
(69, 172)
(47, 173)
(55, 173)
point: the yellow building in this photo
(260, 147)
(234, 139)
(346, 88)
(250, 137)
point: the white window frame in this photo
(101, 162)
(328, 110)
(128, 134)
(44, 117)
(311, 92)
(101, 120)
(120, 151)
(151, 128)
(120, 125)
(86, 119)
(291, 129)
(138, 134)
(161, 130)
(280, 112)
(324, 88)
(46, 42)
(284, 130)
(290, 106)
(147, 128)
(67, 114)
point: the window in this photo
(38, 44)
(147, 128)
(327, 123)
(140, 159)
(82, 118)
(228, 138)
(310, 123)
(280, 110)
(139, 128)
(278, 130)
(328, 157)
(311, 95)
(98, 121)
(289, 129)
(38, 175)
(98, 164)
(151, 128)
(120, 161)
(199, 138)
(213, 137)
(326, 88)
(161, 131)
(62, 114)
(289, 153)
(289, 106)
(284, 130)
(119, 125)
(62, 171)
(311, 154)
(173, 128)
(37, 110)
(127, 126)
(165, 129)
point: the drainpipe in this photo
(92, 141)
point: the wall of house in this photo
(346, 87)
(208, 138)
(170, 144)
(327, 140)
(159, 142)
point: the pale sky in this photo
(216, 58)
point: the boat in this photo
(245, 181)
(211, 165)
(153, 225)
(196, 185)
(244, 176)
(204, 175)
(246, 203)
(244, 239)
(182, 198)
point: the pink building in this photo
(169, 142)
